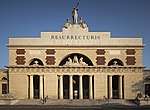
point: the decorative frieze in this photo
(38, 69)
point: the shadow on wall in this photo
(138, 87)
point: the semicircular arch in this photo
(36, 61)
(79, 56)
(115, 62)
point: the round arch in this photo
(85, 59)
(4, 78)
(115, 62)
(36, 61)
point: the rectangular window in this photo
(4, 88)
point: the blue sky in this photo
(27, 18)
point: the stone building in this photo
(75, 64)
(3, 82)
(146, 83)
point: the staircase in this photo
(73, 102)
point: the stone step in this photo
(71, 102)
(122, 101)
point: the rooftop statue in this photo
(75, 14)
(67, 24)
(82, 23)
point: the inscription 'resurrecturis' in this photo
(74, 37)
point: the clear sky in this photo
(27, 18)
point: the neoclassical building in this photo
(75, 64)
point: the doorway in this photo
(36, 84)
(115, 86)
(147, 89)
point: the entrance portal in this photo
(115, 86)
(36, 83)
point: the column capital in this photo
(110, 75)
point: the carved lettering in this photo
(74, 37)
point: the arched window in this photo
(115, 62)
(36, 61)
(147, 79)
(76, 58)
(4, 78)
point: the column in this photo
(120, 87)
(90, 88)
(31, 86)
(41, 86)
(110, 86)
(70, 87)
(80, 88)
(61, 87)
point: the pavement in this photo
(50, 107)
(37, 104)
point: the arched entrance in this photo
(75, 86)
(115, 82)
(36, 85)
(35, 81)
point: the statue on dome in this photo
(75, 14)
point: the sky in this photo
(27, 18)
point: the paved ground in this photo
(71, 105)
(46, 107)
